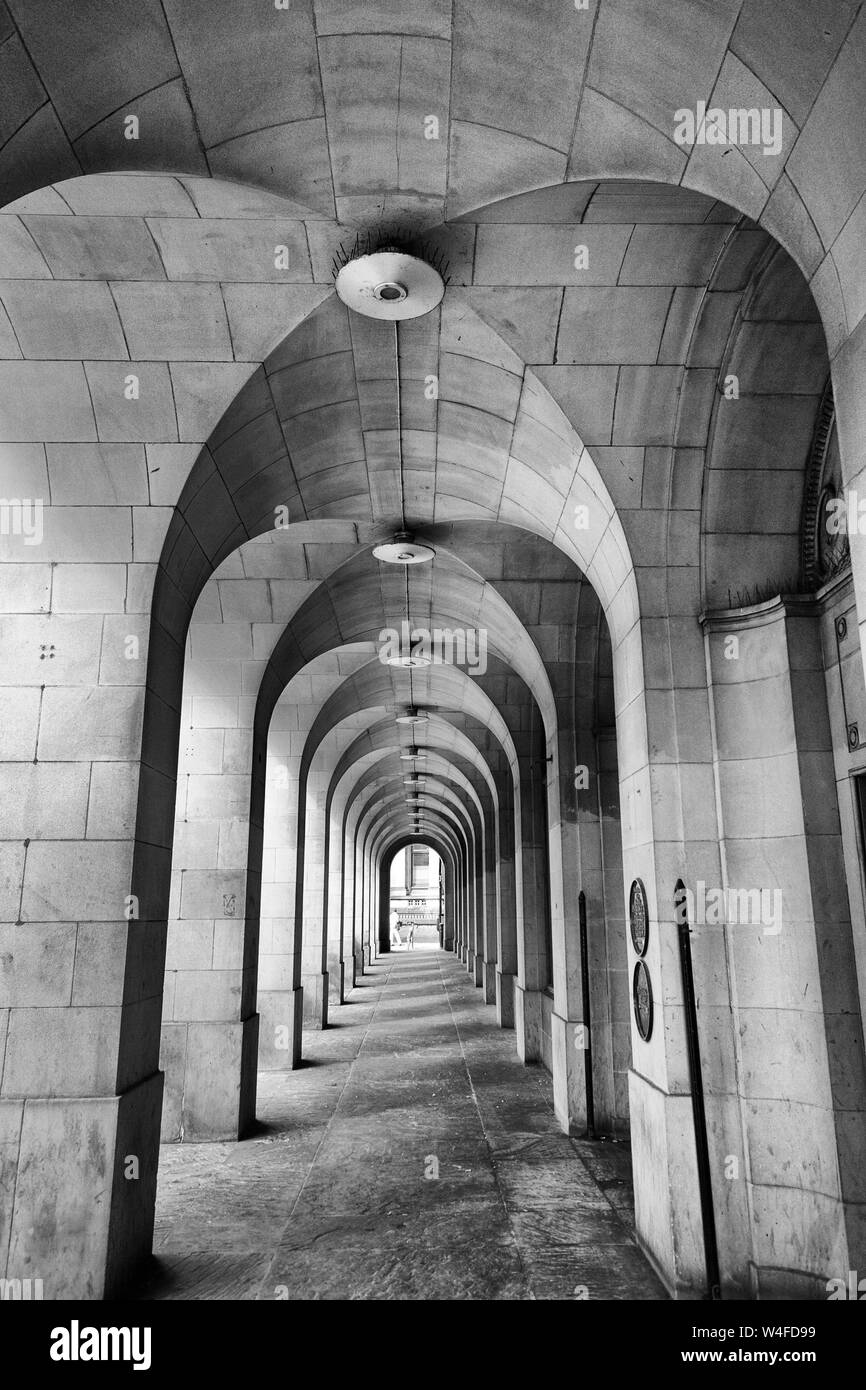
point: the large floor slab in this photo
(411, 1157)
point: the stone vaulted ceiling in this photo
(605, 283)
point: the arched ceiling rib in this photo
(562, 364)
(389, 808)
(539, 411)
(369, 753)
(363, 599)
(366, 767)
(373, 687)
(330, 109)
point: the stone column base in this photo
(335, 981)
(77, 1221)
(488, 980)
(667, 1199)
(504, 999)
(281, 1029)
(315, 989)
(528, 1023)
(568, 1040)
(210, 1069)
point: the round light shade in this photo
(409, 754)
(410, 715)
(389, 284)
(403, 550)
(407, 661)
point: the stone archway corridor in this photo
(411, 1157)
(425, 432)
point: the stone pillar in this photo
(347, 910)
(492, 898)
(532, 965)
(210, 1024)
(669, 831)
(353, 942)
(449, 912)
(375, 932)
(376, 927)
(459, 922)
(795, 1096)
(280, 994)
(351, 926)
(475, 957)
(506, 946)
(465, 910)
(84, 888)
(340, 959)
(610, 985)
(569, 1035)
(472, 906)
(369, 947)
(309, 891)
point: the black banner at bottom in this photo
(59, 1340)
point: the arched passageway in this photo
(622, 433)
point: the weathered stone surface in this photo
(211, 444)
(347, 1211)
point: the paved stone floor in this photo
(411, 1157)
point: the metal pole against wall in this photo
(587, 1035)
(690, 1010)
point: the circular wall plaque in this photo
(642, 994)
(638, 917)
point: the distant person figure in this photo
(394, 924)
(410, 939)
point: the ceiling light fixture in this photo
(411, 715)
(408, 659)
(373, 276)
(403, 549)
(409, 754)
(389, 278)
